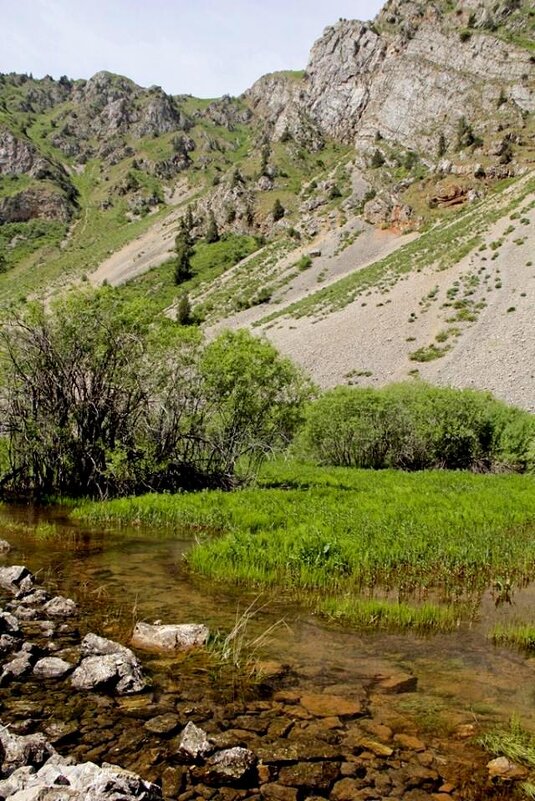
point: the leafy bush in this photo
(416, 426)
(97, 399)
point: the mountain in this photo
(374, 211)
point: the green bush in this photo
(415, 426)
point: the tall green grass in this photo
(341, 529)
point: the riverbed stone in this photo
(298, 751)
(19, 666)
(107, 665)
(278, 792)
(58, 780)
(22, 750)
(169, 638)
(503, 768)
(59, 606)
(323, 705)
(16, 578)
(9, 624)
(163, 724)
(5, 546)
(52, 667)
(194, 742)
(398, 683)
(234, 766)
(310, 775)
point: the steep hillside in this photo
(342, 210)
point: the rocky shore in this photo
(83, 717)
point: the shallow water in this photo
(119, 577)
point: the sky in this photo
(206, 48)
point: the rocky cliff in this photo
(408, 77)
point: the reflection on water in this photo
(120, 577)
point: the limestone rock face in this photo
(408, 77)
(35, 203)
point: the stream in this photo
(464, 683)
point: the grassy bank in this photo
(340, 531)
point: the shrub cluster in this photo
(414, 426)
(98, 399)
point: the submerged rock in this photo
(234, 766)
(179, 637)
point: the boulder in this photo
(52, 667)
(22, 750)
(9, 624)
(15, 579)
(109, 666)
(60, 607)
(168, 638)
(58, 780)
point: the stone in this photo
(379, 749)
(322, 705)
(58, 780)
(169, 638)
(233, 766)
(117, 672)
(277, 792)
(409, 742)
(5, 546)
(60, 607)
(346, 790)
(52, 667)
(9, 624)
(194, 743)
(304, 750)
(310, 775)
(15, 579)
(61, 732)
(503, 768)
(163, 724)
(22, 750)
(19, 666)
(400, 683)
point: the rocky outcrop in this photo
(35, 203)
(408, 78)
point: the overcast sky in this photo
(202, 47)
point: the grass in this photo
(334, 532)
(518, 745)
(373, 613)
(521, 635)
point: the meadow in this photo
(377, 548)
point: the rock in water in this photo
(58, 780)
(16, 578)
(52, 667)
(60, 607)
(107, 665)
(20, 751)
(194, 743)
(234, 766)
(179, 637)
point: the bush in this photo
(97, 399)
(416, 426)
(278, 210)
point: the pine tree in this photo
(212, 231)
(183, 312)
(442, 145)
(184, 252)
(278, 211)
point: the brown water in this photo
(121, 577)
